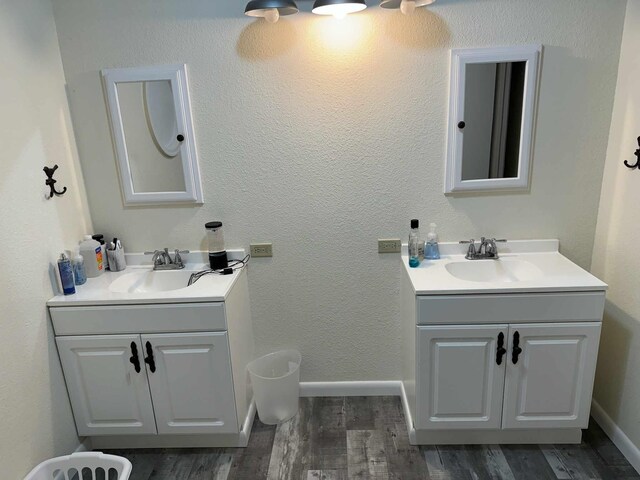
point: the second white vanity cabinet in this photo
(506, 376)
(495, 357)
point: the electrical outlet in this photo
(389, 245)
(261, 249)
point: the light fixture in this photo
(406, 6)
(338, 8)
(270, 10)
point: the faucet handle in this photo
(178, 258)
(472, 248)
(157, 257)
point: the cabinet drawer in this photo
(120, 319)
(510, 308)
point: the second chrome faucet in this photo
(487, 250)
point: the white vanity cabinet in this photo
(499, 362)
(159, 375)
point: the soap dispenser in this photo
(431, 249)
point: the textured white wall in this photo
(322, 136)
(615, 257)
(35, 130)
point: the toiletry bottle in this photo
(92, 254)
(98, 237)
(414, 236)
(431, 249)
(66, 275)
(79, 274)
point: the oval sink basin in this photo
(502, 270)
(150, 281)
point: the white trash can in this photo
(276, 385)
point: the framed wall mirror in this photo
(152, 131)
(491, 118)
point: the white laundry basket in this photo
(82, 466)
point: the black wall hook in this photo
(637, 154)
(50, 182)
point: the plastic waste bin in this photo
(276, 385)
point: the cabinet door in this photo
(549, 383)
(460, 376)
(191, 382)
(108, 396)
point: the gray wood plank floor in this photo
(341, 438)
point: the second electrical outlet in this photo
(261, 249)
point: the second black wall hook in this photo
(637, 154)
(50, 182)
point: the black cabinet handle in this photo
(516, 348)
(461, 125)
(149, 360)
(134, 357)
(180, 137)
(501, 350)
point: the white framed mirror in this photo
(153, 137)
(491, 118)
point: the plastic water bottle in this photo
(414, 239)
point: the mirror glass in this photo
(151, 139)
(493, 107)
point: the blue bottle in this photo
(431, 248)
(66, 274)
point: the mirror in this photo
(493, 93)
(153, 135)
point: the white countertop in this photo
(559, 274)
(209, 288)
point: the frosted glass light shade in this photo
(338, 8)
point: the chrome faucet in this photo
(487, 250)
(162, 259)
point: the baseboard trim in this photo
(413, 440)
(617, 436)
(351, 389)
(245, 433)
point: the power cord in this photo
(233, 266)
